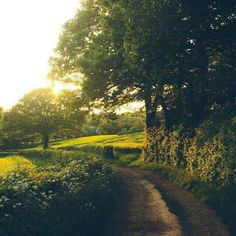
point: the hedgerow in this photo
(209, 153)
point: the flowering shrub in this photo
(73, 198)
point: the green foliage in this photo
(5, 154)
(209, 154)
(173, 58)
(73, 109)
(111, 123)
(164, 53)
(64, 198)
(36, 112)
(165, 148)
(42, 113)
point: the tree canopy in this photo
(42, 112)
(177, 56)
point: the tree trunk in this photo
(151, 120)
(151, 125)
(150, 109)
(166, 120)
(45, 141)
(203, 83)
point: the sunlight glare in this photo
(58, 87)
(29, 32)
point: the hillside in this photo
(121, 141)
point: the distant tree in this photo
(112, 123)
(130, 122)
(37, 112)
(44, 113)
(73, 110)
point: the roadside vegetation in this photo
(46, 196)
(215, 187)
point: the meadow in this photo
(134, 140)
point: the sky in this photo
(29, 31)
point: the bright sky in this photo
(29, 31)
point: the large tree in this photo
(176, 56)
(121, 51)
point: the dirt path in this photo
(143, 212)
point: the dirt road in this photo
(141, 210)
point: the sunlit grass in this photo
(16, 163)
(134, 140)
(83, 141)
(123, 141)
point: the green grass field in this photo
(125, 141)
(134, 140)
